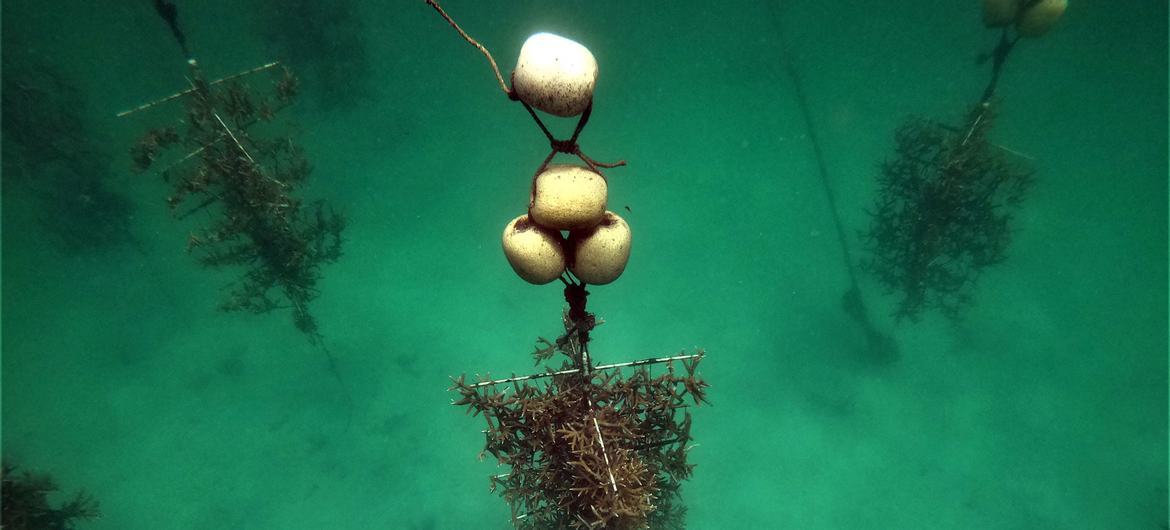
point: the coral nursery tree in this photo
(246, 182)
(585, 445)
(231, 162)
(946, 200)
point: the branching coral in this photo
(251, 178)
(944, 211)
(588, 446)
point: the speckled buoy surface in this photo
(568, 197)
(536, 253)
(599, 254)
(555, 75)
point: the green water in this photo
(1046, 407)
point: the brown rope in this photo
(507, 91)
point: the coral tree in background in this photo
(240, 170)
(947, 199)
(944, 213)
(246, 181)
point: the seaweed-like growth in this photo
(25, 504)
(589, 446)
(50, 152)
(250, 177)
(943, 213)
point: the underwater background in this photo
(1044, 407)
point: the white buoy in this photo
(536, 253)
(599, 254)
(1040, 18)
(567, 197)
(555, 75)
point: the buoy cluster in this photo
(557, 76)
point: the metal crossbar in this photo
(641, 362)
(176, 95)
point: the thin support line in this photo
(604, 453)
(507, 92)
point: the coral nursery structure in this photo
(944, 212)
(246, 180)
(235, 165)
(586, 445)
(240, 169)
